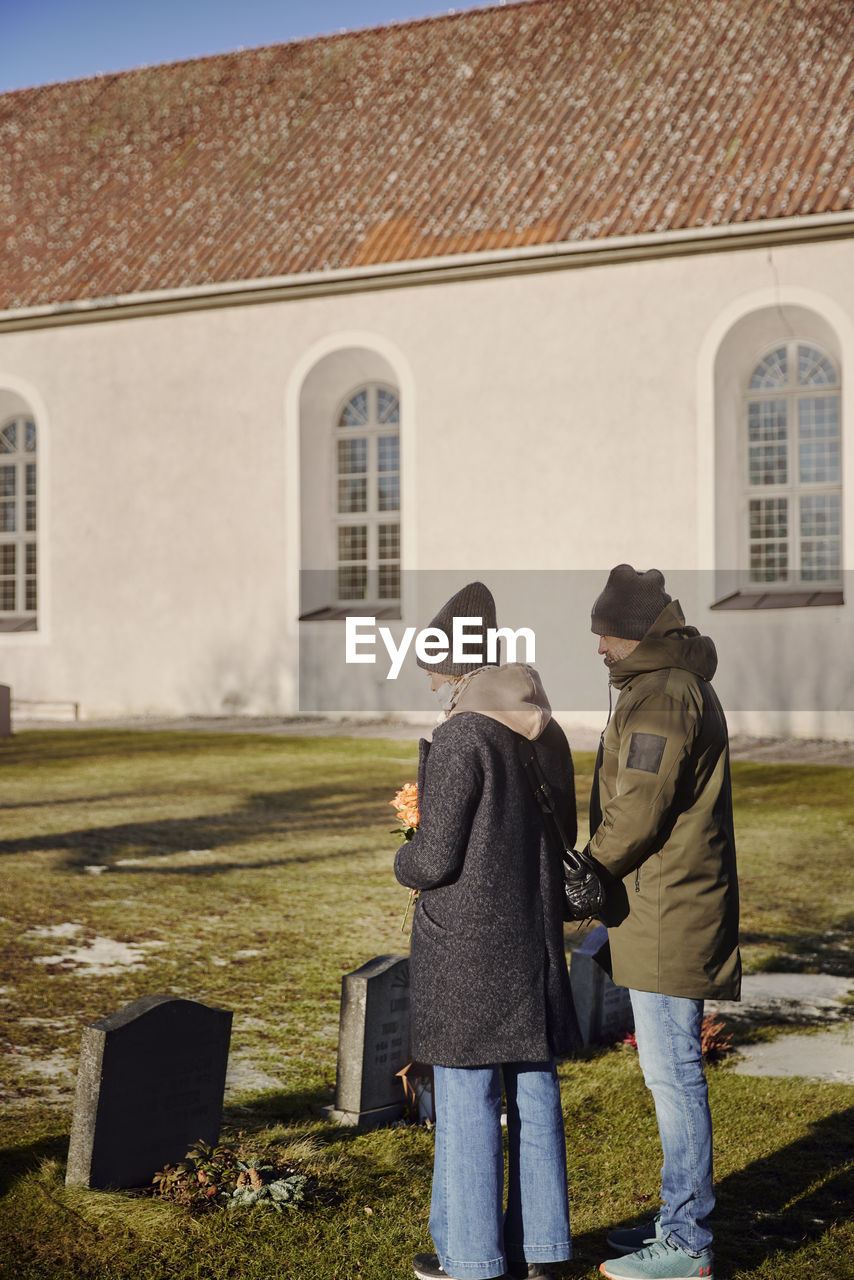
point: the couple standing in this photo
(491, 999)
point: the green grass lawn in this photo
(252, 872)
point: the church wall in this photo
(550, 422)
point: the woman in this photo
(490, 988)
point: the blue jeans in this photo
(473, 1236)
(667, 1029)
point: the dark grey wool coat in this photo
(489, 979)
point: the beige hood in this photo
(512, 695)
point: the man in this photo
(661, 823)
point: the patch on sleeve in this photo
(646, 751)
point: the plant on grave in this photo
(217, 1177)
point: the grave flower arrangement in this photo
(405, 804)
(217, 1177)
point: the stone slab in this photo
(824, 1055)
(5, 711)
(373, 1039)
(804, 998)
(149, 1084)
(604, 1010)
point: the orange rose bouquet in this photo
(405, 804)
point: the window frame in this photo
(23, 616)
(373, 430)
(812, 589)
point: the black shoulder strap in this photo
(541, 789)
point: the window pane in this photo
(8, 438)
(820, 515)
(32, 595)
(355, 412)
(818, 428)
(31, 558)
(388, 453)
(7, 482)
(31, 478)
(353, 542)
(8, 557)
(769, 561)
(7, 517)
(352, 495)
(352, 456)
(7, 594)
(389, 582)
(352, 582)
(771, 372)
(31, 515)
(766, 420)
(30, 437)
(388, 493)
(814, 369)
(388, 409)
(389, 542)
(769, 518)
(820, 559)
(767, 424)
(768, 464)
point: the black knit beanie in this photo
(630, 603)
(472, 601)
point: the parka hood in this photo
(669, 643)
(513, 695)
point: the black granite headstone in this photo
(150, 1083)
(604, 1010)
(373, 1042)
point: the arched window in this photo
(792, 470)
(367, 496)
(18, 525)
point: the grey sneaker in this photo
(661, 1260)
(630, 1239)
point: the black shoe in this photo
(426, 1267)
(530, 1271)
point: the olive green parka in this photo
(661, 818)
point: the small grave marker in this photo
(604, 1010)
(373, 1043)
(5, 711)
(150, 1083)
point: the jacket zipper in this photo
(637, 879)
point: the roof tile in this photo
(536, 122)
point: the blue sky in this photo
(42, 41)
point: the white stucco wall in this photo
(553, 421)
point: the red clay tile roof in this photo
(530, 123)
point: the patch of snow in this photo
(102, 955)
(67, 930)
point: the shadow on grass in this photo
(828, 951)
(278, 815)
(19, 1160)
(786, 1200)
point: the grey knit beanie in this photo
(472, 601)
(630, 603)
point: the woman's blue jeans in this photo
(667, 1029)
(474, 1237)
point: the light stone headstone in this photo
(5, 711)
(373, 1043)
(150, 1083)
(604, 1010)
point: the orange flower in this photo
(406, 803)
